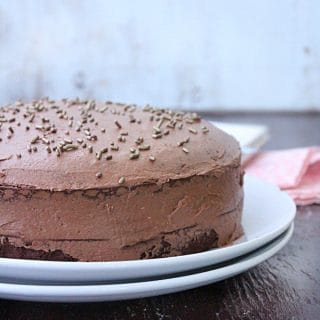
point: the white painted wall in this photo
(233, 54)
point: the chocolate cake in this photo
(89, 181)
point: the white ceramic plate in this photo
(109, 292)
(267, 213)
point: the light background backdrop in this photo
(221, 55)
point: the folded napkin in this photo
(297, 171)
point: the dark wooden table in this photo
(286, 286)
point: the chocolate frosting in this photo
(180, 193)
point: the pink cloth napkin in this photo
(297, 171)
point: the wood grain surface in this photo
(287, 286)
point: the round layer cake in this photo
(89, 181)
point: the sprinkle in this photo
(103, 109)
(19, 156)
(122, 180)
(44, 140)
(139, 140)
(157, 130)
(35, 139)
(35, 149)
(190, 121)
(103, 130)
(116, 122)
(144, 147)
(12, 120)
(68, 141)
(157, 136)
(124, 133)
(104, 150)
(180, 126)
(29, 149)
(70, 123)
(134, 155)
(185, 150)
(114, 148)
(193, 130)
(205, 129)
(48, 149)
(90, 148)
(98, 155)
(31, 118)
(132, 118)
(132, 150)
(152, 158)
(69, 147)
(11, 130)
(39, 127)
(80, 141)
(109, 157)
(160, 122)
(99, 175)
(166, 132)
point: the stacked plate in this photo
(268, 224)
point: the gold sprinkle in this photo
(134, 155)
(121, 139)
(205, 129)
(39, 127)
(166, 132)
(185, 150)
(144, 147)
(45, 141)
(31, 118)
(69, 147)
(157, 130)
(99, 175)
(80, 141)
(35, 139)
(114, 148)
(152, 158)
(98, 155)
(194, 131)
(139, 140)
(116, 122)
(104, 150)
(157, 136)
(122, 180)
